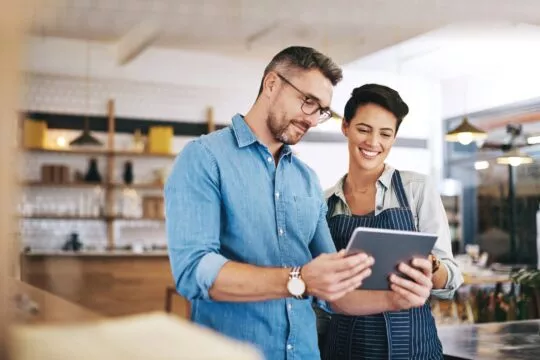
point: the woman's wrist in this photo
(440, 273)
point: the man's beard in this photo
(279, 131)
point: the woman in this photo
(373, 194)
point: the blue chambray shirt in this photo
(227, 200)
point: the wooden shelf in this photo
(100, 152)
(60, 217)
(61, 185)
(95, 218)
(96, 152)
(127, 218)
(111, 157)
(142, 154)
(142, 186)
(84, 185)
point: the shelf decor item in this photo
(93, 175)
(160, 139)
(138, 141)
(73, 243)
(34, 134)
(128, 173)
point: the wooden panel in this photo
(13, 21)
(109, 285)
(36, 306)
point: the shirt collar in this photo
(386, 177)
(385, 180)
(245, 136)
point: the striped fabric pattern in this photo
(400, 335)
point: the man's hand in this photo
(330, 276)
(408, 294)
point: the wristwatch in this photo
(295, 285)
(435, 263)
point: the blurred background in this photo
(110, 92)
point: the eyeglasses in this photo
(309, 105)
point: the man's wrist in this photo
(296, 284)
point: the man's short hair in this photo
(303, 58)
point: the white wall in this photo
(160, 84)
(475, 93)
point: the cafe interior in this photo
(99, 97)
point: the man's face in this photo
(297, 104)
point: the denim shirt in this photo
(226, 199)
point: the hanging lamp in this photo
(86, 138)
(514, 157)
(465, 133)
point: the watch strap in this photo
(295, 273)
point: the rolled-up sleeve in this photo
(432, 219)
(192, 207)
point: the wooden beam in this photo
(210, 119)
(109, 192)
(13, 21)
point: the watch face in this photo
(296, 287)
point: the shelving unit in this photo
(109, 186)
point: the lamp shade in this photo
(514, 158)
(86, 138)
(466, 133)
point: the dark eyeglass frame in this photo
(325, 113)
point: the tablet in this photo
(388, 248)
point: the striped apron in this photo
(406, 334)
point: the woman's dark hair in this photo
(381, 95)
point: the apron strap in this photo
(399, 189)
(331, 202)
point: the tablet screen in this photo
(388, 248)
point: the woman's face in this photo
(371, 134)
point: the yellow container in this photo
(160, 139)
(34, 134)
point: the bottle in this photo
(93, 175)
(128, 173)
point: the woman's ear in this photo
(345, 127)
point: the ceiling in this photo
(463, 49)
(346, 30)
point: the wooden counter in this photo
(109, 283)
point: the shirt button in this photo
(379, 207)
(277, 195)
(289, 347)
(289, 306)
(269, 159)
(280, 231)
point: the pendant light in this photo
(465, 133)
(86, 138)
(514, 157)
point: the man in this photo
(246, 220)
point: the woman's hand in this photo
(413, 293)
